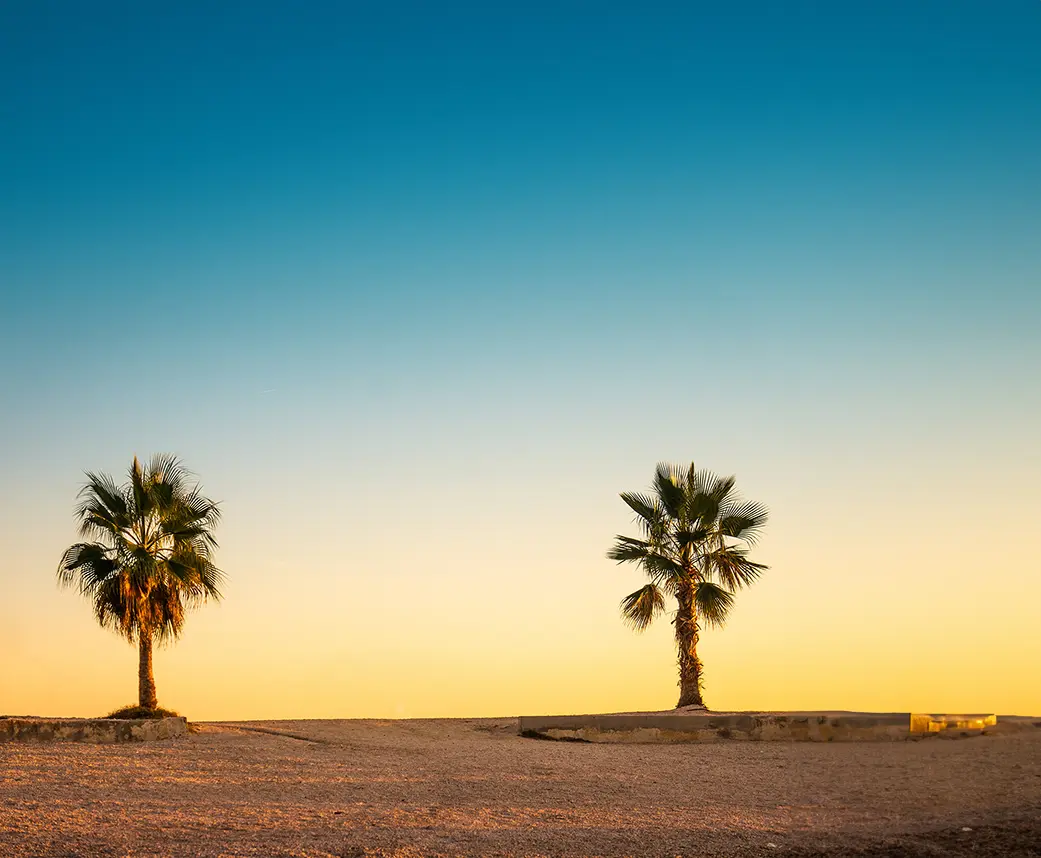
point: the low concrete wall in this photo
(91, 730)
(939, 723)
(749, 726)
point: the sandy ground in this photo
(473, 787)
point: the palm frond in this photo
(642, 505)
(87, 564)
(196, 575)
(702, 508)
(706, 492)
(102, 507)
(201, 507)
(668, 487)
(167, 469)
(744, 520)
(663, 570)
(192, 522)
(114, 607)
(640, 608)
(713, 602)
(137, 484)
(700, 480)
(626, 549)
(166, 608)
(142, 569)
(685, 536)
(733, 568)
(166, 480)
(721, 489)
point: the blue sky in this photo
(515, 252)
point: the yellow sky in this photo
(867, 606)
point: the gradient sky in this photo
(417, 289)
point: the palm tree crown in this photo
(151, 555)
(694, 547)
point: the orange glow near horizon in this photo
(442, 635)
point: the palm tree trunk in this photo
(145, 680)
(687, 632)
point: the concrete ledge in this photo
(96, 731)
(677, 727)
(938, 723)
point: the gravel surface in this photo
(315, 789)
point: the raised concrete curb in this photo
(939, 723)
(664, 727)
(96, 731)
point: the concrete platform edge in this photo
(658, 727)
(97, 731)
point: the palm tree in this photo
(151, 558)
(695, 533)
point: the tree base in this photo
(145, 712)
